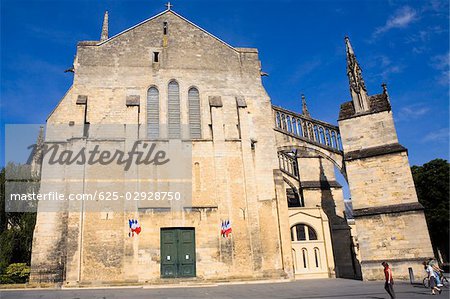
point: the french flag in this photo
(135, 227)
(226, 228)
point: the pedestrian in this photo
(437, 271)
(389, 280)
(431, 277)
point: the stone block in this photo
(133, 100)
(215, 101)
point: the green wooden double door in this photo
(177, 252)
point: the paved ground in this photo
(318, 288)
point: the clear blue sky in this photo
(301, 46)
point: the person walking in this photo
(389, 280)
(431, 277)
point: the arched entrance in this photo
(312, 251)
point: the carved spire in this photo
(305, 111)
(357, 86)
(105, 26)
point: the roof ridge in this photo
(132, 27)
(160, 14)
(205, 31)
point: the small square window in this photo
(155, 56)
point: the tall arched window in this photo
(303, 232)
(195, 128)
(173, 111)
(153, 113)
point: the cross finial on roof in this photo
(168, 5)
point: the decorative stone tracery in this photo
(317, 132)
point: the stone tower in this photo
(390, 222)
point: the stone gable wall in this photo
(235, 180)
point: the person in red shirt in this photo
(389, 280)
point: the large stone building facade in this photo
(265, 172)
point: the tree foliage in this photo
(16, 273)
(432, 186)
(16, 235)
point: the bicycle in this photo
(444, 281)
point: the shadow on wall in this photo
(347, 265)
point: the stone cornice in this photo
(374, 151)
(399, 208)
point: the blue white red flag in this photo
(135, 227)
(226, 228)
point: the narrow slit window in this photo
(305, 257)
(155, 56)
(316, 257)
(165, 28)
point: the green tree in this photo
(432, 186)
(16, 228)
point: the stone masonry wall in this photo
(235, 156)
(381, 180)
(368, 131)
